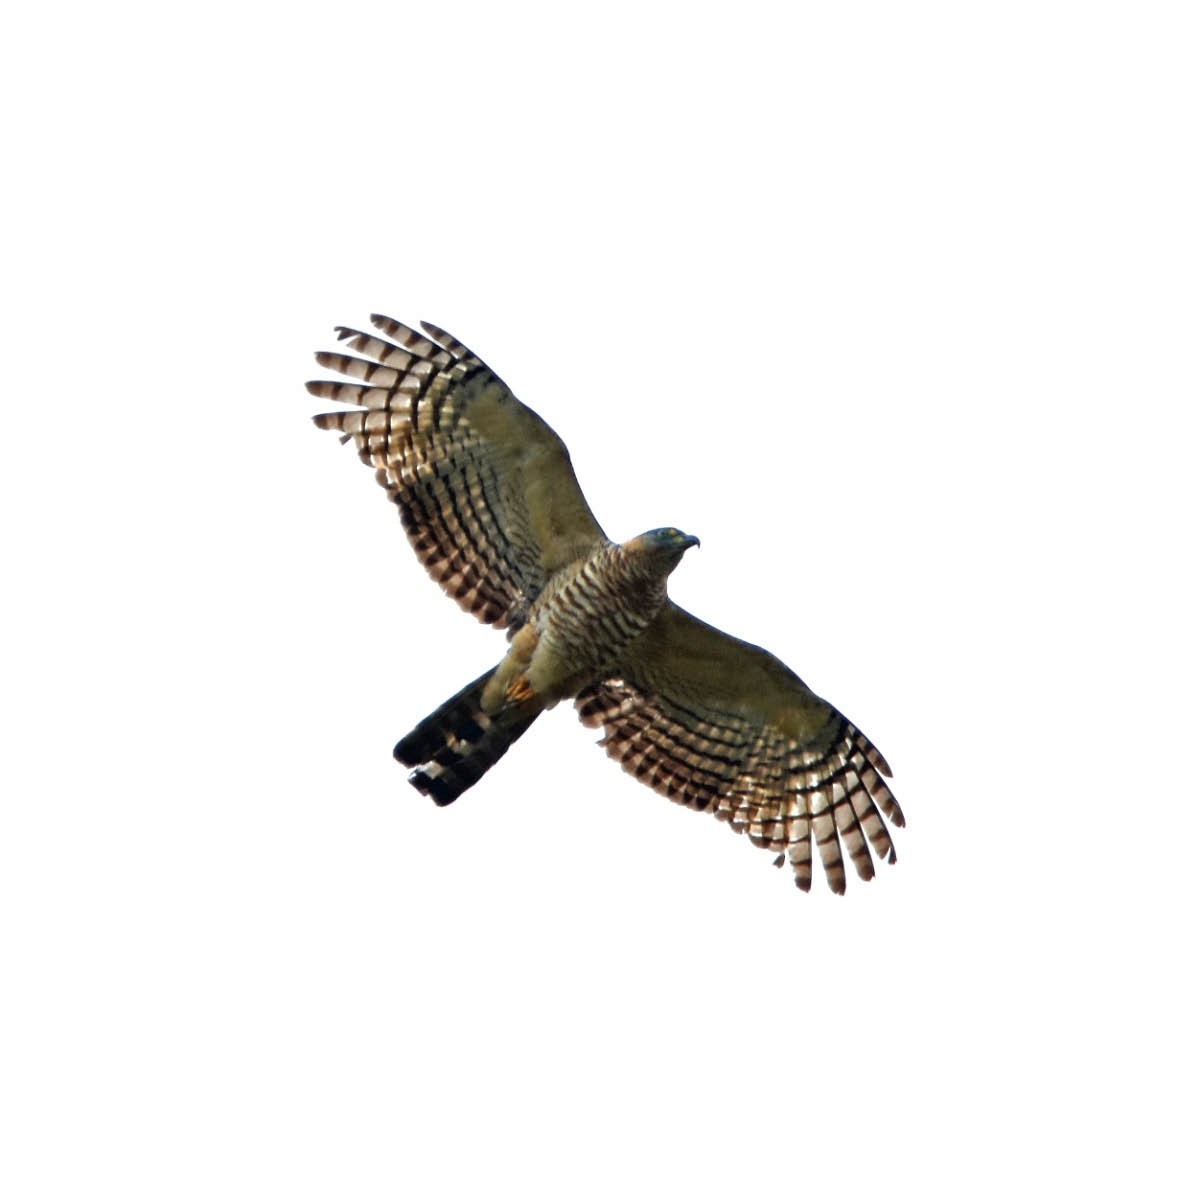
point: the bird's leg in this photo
(509, 683)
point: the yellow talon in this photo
(519, 690)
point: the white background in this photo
(894, 305)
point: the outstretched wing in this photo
(485, 487)
(718, 724)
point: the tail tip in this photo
(432, 786)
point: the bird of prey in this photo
(490, 503)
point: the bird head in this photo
(665, 546)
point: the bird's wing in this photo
(485, 487)
(718, 724)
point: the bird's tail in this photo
(458, 743)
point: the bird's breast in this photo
(597, 609)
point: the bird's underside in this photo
(490, 503)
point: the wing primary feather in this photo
(452, 345)
(386, 353)
(360, 368)
(410, 340)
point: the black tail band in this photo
(455, 746)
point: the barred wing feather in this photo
(485, 487)
(717, 724)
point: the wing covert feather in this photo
(485, 488)
(718, 724)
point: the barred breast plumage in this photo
(592, 611)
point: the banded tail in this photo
(455, 746)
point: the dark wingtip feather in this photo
(334, 421)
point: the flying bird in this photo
(490, 503)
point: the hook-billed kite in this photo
(490, 503)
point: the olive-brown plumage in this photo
(490, 503)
